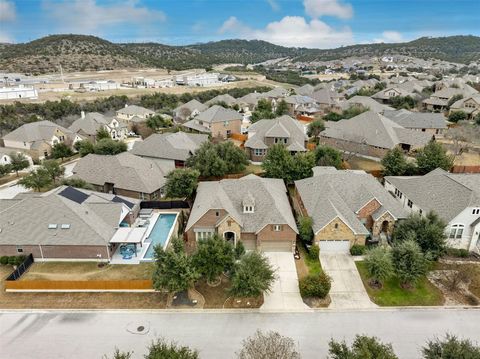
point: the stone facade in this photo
(338, 230)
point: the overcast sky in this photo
(309, 23)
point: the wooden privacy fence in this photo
(466, 169)
(78, 285)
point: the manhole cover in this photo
(141, 328)
(138, 328)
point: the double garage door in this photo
(334, 246)
(277, 246)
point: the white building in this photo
(454, 197)
(18, 92)
(196, 80)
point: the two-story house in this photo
(470, 105)
(281, 130)
(133, 115)
(454, 197)
(89, 124)
(217, 121)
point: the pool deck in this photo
(117, 258)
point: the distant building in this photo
(18, 92)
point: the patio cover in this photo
(129, 235)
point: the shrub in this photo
(239, 250)
(357, 250)
(379, 264)
(21, 259)
(4, 260)
(314, 252)
(315, 285)
(12, 260)
(457, 252)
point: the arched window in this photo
(456, 231)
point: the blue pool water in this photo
(159, 233)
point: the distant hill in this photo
(81, 52)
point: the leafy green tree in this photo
(450, 348)
(403, 102)
(409, 262)
(235, 158)
(315, 127)
(84, 147)
(76, 182)
(456, 116)
(207, 161)
(5, 169)
(117, 354)
(174, 270)
(262, 111)
(394, 163)
(160, 349)
(253, 275)
(278, 162)
(428, 232)
(353, 111)
(363, 347)
(108, 146)
(305, 229)
(37, 179)
(328, 156)
(181, 183)
(477, 119)
(378, 262)
(433, 156)
(53, 168)
(282, 108)
(61, 150)
(213, 257)
(268, 345)
(18, 162)
(101, 134)
(157, 121)
(301, 166)
(332, 116)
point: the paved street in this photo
(347, 290)
(218, 335)
(285, 294)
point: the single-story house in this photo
(64, 223)
(251, 209)
(454, 197)
(37, 138)
(123, 174)
(366, 102)
(217, 121)
(371, 134)
(346, 207)
(432, 123)
(169, 150)
(281, 130)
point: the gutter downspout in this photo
(41, 252)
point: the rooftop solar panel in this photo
(74, 195)
(121, 200)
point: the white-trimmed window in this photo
(248, 209)
(410, 204)
(202, 235)
(259, 152)
(476, 211)
(277, 227)
(19, 249)
(456, 231)
(398, 193)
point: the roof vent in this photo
(52, 226)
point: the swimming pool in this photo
(160, 233)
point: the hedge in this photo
(315, 285)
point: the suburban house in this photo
(454, 197)
(89, 124)
(248, 102)
(225, 98)
(371, 134)
(251, 209)
(366, 102)
(438, 101)
(124, 174)
(281, 130)
(386, 95)
(346, 208)
(6, 153)
(327, 100)
(432, 123)
(217, 121)
(188, 110)
(133, 115)
(302, 105)
(470, 105)
(169, 150)
(305, 90)
(38, 138)
(64, 223)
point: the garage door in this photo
(277, 246)
(335, 246)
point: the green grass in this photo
(313, 265)
(391, 294)
(252, 168)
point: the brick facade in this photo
(354, 147)
(58, 252)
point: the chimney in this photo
(82, 114)
(126, 105)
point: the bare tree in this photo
(268, 345)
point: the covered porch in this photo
(128, 245)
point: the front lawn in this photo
(88, 271)
(305, 265)
(391, 294)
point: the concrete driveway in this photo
(347, 290)
(285, 294)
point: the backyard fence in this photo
(78, 285)
(164, 204)
(466, 169)
(17, 273)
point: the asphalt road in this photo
(219, 335)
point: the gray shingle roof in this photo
(228, 99)
(331, 193)
(24, 220)
(283, 126)
(366, 102)
(36, 131)
(269, 194)
(90, 124)
(191, 105)
(410, 119)
(375, 130)
(124, 170)
(136, 111)
(218, 113)
(445, 193)
(174, 146)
